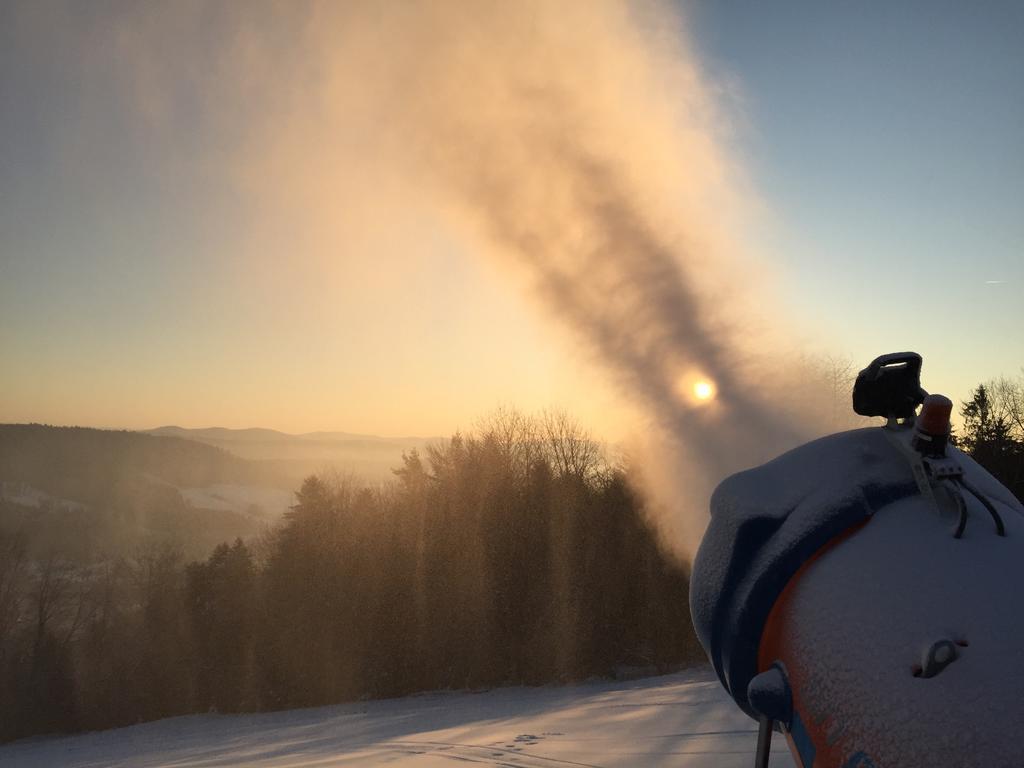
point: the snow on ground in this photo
(25, 495)
(271, 502)
(684, 719)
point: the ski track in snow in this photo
(685, 719)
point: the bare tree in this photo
(12, 576)
(839, 374)
(820, 387)
(570, 449)
(1008, 402)
(62, 602)
(514, 435)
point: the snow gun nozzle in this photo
(890, 387)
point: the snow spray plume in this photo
(577, 141)
(576, 144)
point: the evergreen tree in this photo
(988, 436)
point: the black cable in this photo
(1000, 528)
(962, 506)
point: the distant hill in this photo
(296, 456)
(80, 491)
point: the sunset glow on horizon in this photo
(209, 220)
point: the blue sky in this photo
(888, 140)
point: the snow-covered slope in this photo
(259, 501)
(679, 720)
(24, 495)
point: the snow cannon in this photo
(864, 593)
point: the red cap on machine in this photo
(934, 418)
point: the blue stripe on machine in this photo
(802, 741)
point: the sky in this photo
(888, 140)
(155, 257)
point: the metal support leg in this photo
(764, 743)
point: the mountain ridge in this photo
(242, 433)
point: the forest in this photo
(516, 554)
(513, 555)
(992, 430)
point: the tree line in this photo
(512, 555)
(993, 430)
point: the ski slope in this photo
(684, 719)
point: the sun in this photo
(704, 390)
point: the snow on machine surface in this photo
(863, 593)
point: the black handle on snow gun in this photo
(890, 386)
